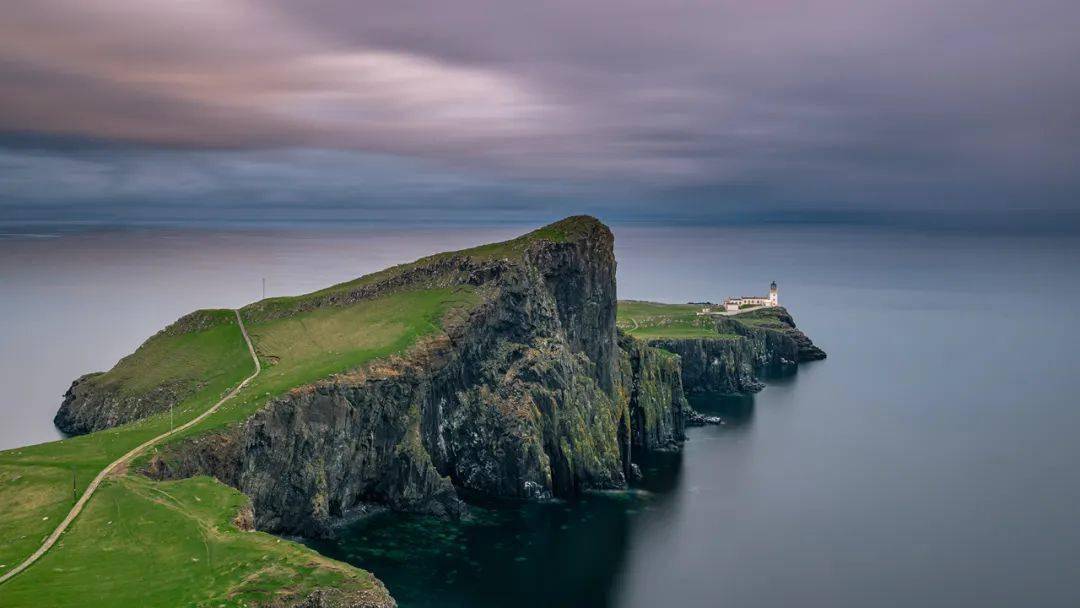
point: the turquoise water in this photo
(929, 461)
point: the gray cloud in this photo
(697, 105)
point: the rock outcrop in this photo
(716, 365)
(336, 598)
(658, 406)
(730, 362)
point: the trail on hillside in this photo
(123, 460)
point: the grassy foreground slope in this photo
(39, 484)
(143, 543)
(102, 559)
(295, 350)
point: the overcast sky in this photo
(632, 108)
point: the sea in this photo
(930, 461)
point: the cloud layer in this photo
(697, 105)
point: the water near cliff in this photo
(930, 460)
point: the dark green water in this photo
(566, 554)
(560, 553)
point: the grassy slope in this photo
(647, 320)
(141, 543)
(36, 481)
(185, 360)
(557, 232)
(295, 350)
(314, 345)
(203, 362)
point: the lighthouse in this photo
(773, 301)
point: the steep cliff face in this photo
(520, 397)
(657, 402)
(729, 363)
(716, 365)
(85, 410)
(805, 350)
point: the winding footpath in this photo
(75, 510)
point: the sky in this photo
(637, 109)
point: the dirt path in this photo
(123, 460)
(740, 311)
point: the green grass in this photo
(636, 309)
(36, 481)
(98, 563)
(310, 346)
(185, 356)
(300, 349)
(647, 320)
(513, 249)
(140, 542)
(144, 543)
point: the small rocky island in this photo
(509, 370)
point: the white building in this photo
(735, 304)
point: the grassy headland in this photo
(512, 250)
(647, 320)
(142, 542)
(152, 522)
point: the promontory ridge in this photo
(507, 370)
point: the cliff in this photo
(722, 355)
(496, 370)
(520, 396)
(658, 407)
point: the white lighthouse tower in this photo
(773, 300)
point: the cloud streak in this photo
(830, 104)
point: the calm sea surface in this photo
(931, 460)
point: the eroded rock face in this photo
(805, 350)
(376, 597)
(657, 401)
(716, 365)
(517, 400)
(87, 408)
(729, 365)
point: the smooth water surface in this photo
(929, 461)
